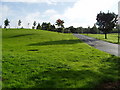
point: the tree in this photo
(72, 29)
(60, 25)
(28, 25)
(79, 29)
(52, 27)
(106, 22)
(6, 23)
(94, 29)
(34, 24)
(88, 30)
(46, 26)
(19, 23)
(38, 26)
(66, 30)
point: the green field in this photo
(112, 37)
(44, 59)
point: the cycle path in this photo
(111, 48)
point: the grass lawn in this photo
(112, 37)
(44, 59)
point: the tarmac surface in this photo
(110, 48)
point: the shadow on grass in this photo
(21, 35)
(65, 77)
(111, 73)
(56, 42)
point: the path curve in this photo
(111, 48)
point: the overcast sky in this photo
(74, 12)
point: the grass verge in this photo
(112, 37)
(44, 59)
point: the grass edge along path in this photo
(112, 37)
(44, 59)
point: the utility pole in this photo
(118, 28)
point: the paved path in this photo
(111, 48)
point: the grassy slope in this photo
(112, 37)
(0, 56)
(42, 59)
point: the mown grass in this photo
(0, 58)
(44, 59)
(111, 37)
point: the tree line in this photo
(106, 23)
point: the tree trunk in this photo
(105, 35)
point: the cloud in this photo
(49, 15)
(52, 15)
(5, 12)
(84, 12)
(50, 12)
(30, 1)
(40, 1)
(38, 17)
(30, 18)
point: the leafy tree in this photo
(34, 24)
(43, 26)
(72, 29)
(28, 25)
(94, 29)
(106, 22)
(46, 26)
(88, 30)
(79, 29)
(60, 25)
(6, 23)
(66, 30)
(19, 23)
(38, 26)
(52, 27)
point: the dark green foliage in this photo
(72, 29)
(33, 27)
(66, 30)
(19, 23)
(106, 22)
(6, 23)
(34, 24)
(59, 29)
(94, 30)
(38, 27)
(45, 26)
(59, 23)
(52, 28)
(80, 29)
